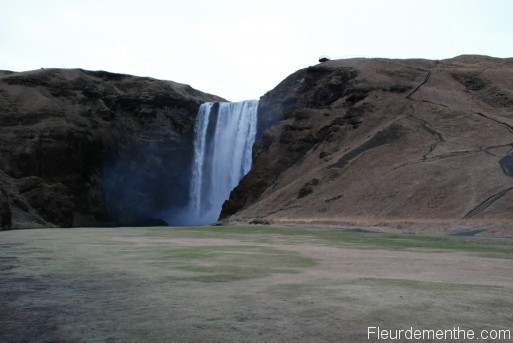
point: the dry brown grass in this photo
(236, 284)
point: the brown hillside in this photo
(82, 147)
(376, 140)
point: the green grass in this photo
(491, 247)
(222, 263)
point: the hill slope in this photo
(373, 140)
(80, 147)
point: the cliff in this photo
(347, 141)
(376, 140)
(84, 147)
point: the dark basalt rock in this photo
(84, 147)
(5, 210)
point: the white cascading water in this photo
(222, 156)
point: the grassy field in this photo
(246, 284)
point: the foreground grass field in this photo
(240, 284)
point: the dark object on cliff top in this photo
(324, 58)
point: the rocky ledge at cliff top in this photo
(80, 147)
(378, 140)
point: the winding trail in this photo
(426, 79)
(486, 203)
(489, 201)
(423, 123)
(432, 132)
(497, 120)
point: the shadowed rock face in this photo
(5, 210)
(93, 148)
(376, 139)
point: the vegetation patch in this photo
(307, 188)
(226, 263)
(487, 246)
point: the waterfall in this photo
(223, 140)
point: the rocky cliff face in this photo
(361, 140)
(93, 148)
(374, 140)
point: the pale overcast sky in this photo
(241, 49)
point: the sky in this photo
(241, 49)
